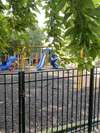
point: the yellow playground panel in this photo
(33, 59)
(36, 54)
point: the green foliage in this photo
(4, 32)
(78, 28)
(36, 36)
(15, 17)
(25, 40)
(22, 14)
(74, 26)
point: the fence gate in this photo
(55, 101)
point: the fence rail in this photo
(52, 101)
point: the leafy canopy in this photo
(15, 17)
(74, 26)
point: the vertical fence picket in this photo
(76, 98)
(35, 119)
(81, 98)
(58, 101)
(5, 95)
(95, 97)
(52, 98)
(67, 112)
(91, 100)
(21, 102)
(12, 99)
(62, 98)
(47, 106)
(98, 107)
(85, 98)
(29, 92)
(41, 99)
(72, 99)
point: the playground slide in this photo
(42, 61)
(8, 64)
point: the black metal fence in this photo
(54, 101)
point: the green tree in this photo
(75, 28)
(36, 36)
(26, 40)
(15, 17)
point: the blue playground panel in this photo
(8, 63)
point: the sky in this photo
(40, 16)
(4, 1)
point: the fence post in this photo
(91, 100)
(21, 79)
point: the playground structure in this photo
(31, 61)
(38, 57)
(8, 64)
(53, 59)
